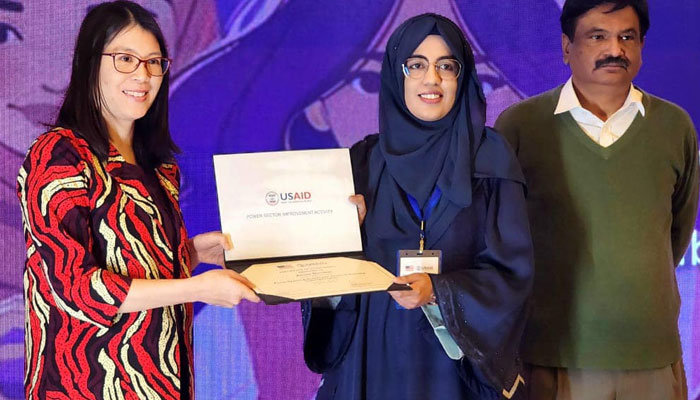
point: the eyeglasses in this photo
(416, 68)
(127, 63)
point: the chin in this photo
(431, 117)
(138, 114)
(615, 81)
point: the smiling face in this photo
(128, 96)
(37, 61)
(606, 49)
(431, 97)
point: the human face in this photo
(607, 48)
(127, 97)
(430, 98)
(37, 61)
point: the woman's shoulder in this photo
(361, 149)
(496, 159)
(360, 157)
(60, 143)
(56, 155)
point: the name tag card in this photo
(415, 261)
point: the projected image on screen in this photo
(266, 75)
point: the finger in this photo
(362, 212)
(242, 279)
(396, 295)
(250, 295)
(404, 301)
(356, 199)
(210, 239)
(228, 243)
(402, 296)
(402, 280)
(415, 277)
(359, 201)
(219, 240)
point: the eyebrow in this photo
(13, 6)
(595, 30)
(628, 30)
(450, 57)
(130, 50)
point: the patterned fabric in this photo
(91, 227)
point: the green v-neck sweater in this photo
(609, 225)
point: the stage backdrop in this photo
(272, 74)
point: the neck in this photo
(121, 136)
(601, 100)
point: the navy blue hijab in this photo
(414, 155)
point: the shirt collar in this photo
(569, 101)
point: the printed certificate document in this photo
(287, 205)
(324, 277)
(293, 229)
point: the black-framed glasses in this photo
(127, 63)
(416, 68)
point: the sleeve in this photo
(685, 198)
(329, 325)
(172, 184)
(485, 305)
(328, 332)
(53, 192)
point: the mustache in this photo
(617, 61)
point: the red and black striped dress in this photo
(90, 228)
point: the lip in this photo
(132, 97)
(437, 97)
(613, 67)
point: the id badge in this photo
(412, 262)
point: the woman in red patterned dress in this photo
(107, 281)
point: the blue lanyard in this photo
(424, 215)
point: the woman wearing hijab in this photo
(455, 335)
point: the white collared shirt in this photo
(602, 132)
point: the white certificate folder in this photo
(287, 205)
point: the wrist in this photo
(192, 289)
(432, 300)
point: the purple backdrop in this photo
(274, 74)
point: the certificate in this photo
(297, 280)
(287, 205)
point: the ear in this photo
(565, 48)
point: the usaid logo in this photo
(295, 196)
(272, 198)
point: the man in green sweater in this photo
(612, 176)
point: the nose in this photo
(141, 72)
(616, 47)
(431, 76)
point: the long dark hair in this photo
(82, 107)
